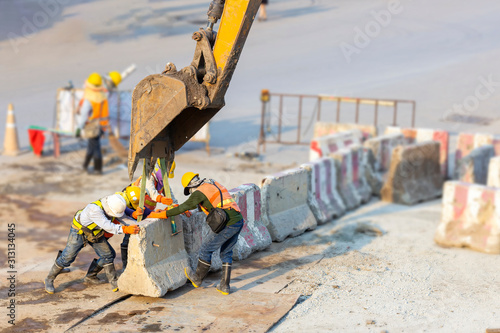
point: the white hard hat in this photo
(114, 205)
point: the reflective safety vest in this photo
(100, 110)
(213, 195)
(94, 227)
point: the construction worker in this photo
(154, 186)
(89, 226)
(112, 80)
(131, 195)
(206, 194)
(94, 120)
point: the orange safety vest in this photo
(100, 110)
(213, 195)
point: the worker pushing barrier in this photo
(213, 199)
(89, 227)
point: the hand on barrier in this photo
(158, 215)
(138, 212)
(187, 213)
(131, 229)
(172, 206)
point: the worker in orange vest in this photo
(208, 195)
(94, 120)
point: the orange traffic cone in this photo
(11, 142)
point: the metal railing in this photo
(358, 101)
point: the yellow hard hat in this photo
(131, 195)
(95, 79)
(116, 77)
(186, 179)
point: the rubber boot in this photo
(111, 275)
(91, 276)
(201, 273)
(64, 270)
(86, 162)
(223, 287)
(124, 256)
(98, 166)
(49, 280)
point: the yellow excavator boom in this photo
(170, 107)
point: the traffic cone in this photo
(11, 142)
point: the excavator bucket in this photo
(169, 108)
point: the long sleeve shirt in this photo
(85, 112)
(94, 214)
(198, 198)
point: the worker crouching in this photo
(89, 226)
(224, 218)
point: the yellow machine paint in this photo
(170, 107)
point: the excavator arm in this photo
(169, 108)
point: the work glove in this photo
(78, 132)
(131, 229)
(187, 213)
(138, 212)
(158, 215)
(164, 200)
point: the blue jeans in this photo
(75, 244)
(225, 240)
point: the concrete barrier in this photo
(470, 217)
(254, 236)
(195, 230)
(382, 147)
(328, 144)
(467, 142)
(323, 199)
(473, 168)
(285, 212)
(415, 174)
(417, 135)
(494, 172)
(156, 260)
(345, 185)
(373, 178)
(325, 128)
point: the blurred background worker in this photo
(112, 80)
(208, 195)
(94, 120)
(89, 226)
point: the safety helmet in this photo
(95, 79)
(186, 179)
(114, 205)
(116, 77)
(131, 195)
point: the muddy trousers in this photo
(75, 244)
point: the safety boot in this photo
(199, 275)
(91, 276)
(98, 166)
(223, 287)
(49, 280)
(64, 270)
(111, 275)
(124, 256)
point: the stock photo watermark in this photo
(372, 29)
(49, 9)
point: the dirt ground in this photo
(376, 269)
